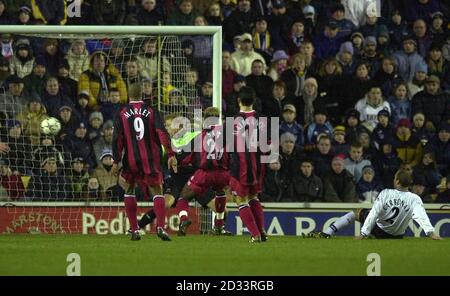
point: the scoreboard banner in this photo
(80, 220)
(298, 222)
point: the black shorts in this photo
(175, 184)
(376, 231)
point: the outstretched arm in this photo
(421, 217)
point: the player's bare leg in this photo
(247, 218)
(130, 207)
(257, 210)
(159, 207)
(186, 195)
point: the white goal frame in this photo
(215, 31)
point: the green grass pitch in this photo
(209, 255)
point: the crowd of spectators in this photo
(360, 90)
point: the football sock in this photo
(257, 210)
(220, 203)
(131, 210)
(182, 208)
(159, 206)
(249, 220)
(147, 218)
(340, 223)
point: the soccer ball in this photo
(50, 126)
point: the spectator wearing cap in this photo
(78, 178)
(437, 29)
(408, 146)
(422, 37)
(419, 80)
(35, 82)
(278, 64)
(228, 74)
(15, 99)
(241, 20)
(438, 66)
(307, 186)
(384, 128)
(100, 78)
(357, 40)
(31, 118)
(148, 15)
(24, 15)
(422, 9)
(368, 186)
(346, 27)
(432, 102)
(408, 59)
(386, 162)
(340, 146)
(346, 59)
(53, 98)
(339, 185)
(279, 24)
(352, 125)
(108, 13)
(259, 81)
(69, 121)
(369, 55)
(370, 105)
(50, 12)
(105, 175)
(242, 59)
(290, 125)
(384, 43)
(282, 179)
(328, 43)
(398, 29)
(400, 103)
(23, 60)
(95, 125)
(440, 145)
(273, 106)
(320, 126)
(79, 145)
(104, 142)
(68, 85)
(183, 15)
(19, 147)
(78, 59)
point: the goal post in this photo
(64, 210)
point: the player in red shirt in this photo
(138, 135)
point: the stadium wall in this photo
(110, 218)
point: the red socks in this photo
(220, 204)
(182, 209)
(131, 210)
(249, 220)
(257, 210)
(159, 207)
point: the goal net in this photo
(62, 183)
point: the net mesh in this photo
(49, 184)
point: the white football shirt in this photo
(393, 210)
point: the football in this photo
(50, 126)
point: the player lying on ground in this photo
(139, 133)
(212, 163)
(181, 138)
(390, 215)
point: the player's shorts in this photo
(141, 179)
(202, 180)
(242, 190)
(376, 231)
